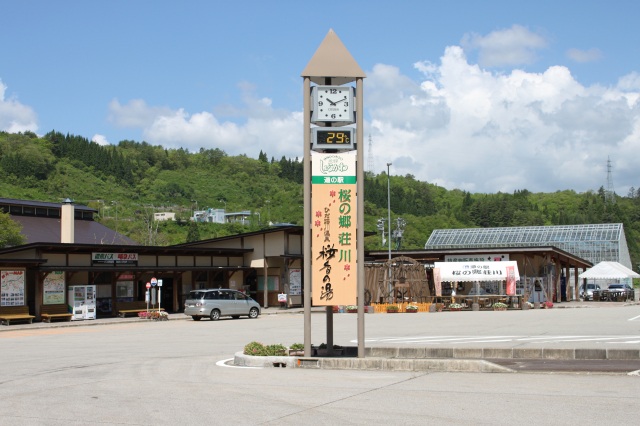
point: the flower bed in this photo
(154, 315)
(455, 307)
(499, 306)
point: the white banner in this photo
(476, 271)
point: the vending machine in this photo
(82, 301)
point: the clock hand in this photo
(341, 100)
(331, 102)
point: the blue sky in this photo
(482, 96)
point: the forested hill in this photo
(127, 183)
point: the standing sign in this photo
(333, 239)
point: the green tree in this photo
(193, 233)
(10, 232)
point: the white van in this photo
(221, 302)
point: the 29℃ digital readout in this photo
(333, 138)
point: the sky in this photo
(486, 97)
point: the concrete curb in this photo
(503, 353)
(376, 364)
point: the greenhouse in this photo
(595, 243)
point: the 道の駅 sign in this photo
(333, 241)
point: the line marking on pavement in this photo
(223, 363)
(634, 318)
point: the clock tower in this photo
(333, 185)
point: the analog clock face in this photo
(333, 103)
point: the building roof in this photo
(593, 242)
(41, 223)
(47, 230)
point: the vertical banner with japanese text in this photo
(333, 241)
(437, 281)
(511, 281)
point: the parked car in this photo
(620, 287)
(216, 303)
(589, 293)
(621, 292)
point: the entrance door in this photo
(167, 294)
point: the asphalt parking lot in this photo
(138, 372)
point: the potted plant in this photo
(392, 309)
(352, 309)
(455, 307)
(499, 306)
(411, 308)
(297, 349)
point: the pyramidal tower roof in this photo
(332, 60)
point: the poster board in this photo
(12, 288)
(53, 287)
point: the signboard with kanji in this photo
(333, 239)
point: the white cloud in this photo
(469, 128)
(462, 126)
(100, 139)
(135, 114)
(14, 116)
(513, 46)
(275, 132)
(584, 55)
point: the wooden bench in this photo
(125, 308)
(15, 313)
(55, 312)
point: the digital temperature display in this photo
(333, 138)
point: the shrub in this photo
(255, 349)
(297, 346)
(275, 350)
(392, 308)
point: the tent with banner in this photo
(477, 271)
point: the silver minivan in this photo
(221, 302)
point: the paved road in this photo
(141, 372)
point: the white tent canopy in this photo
(609, 270)
(475, 271)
